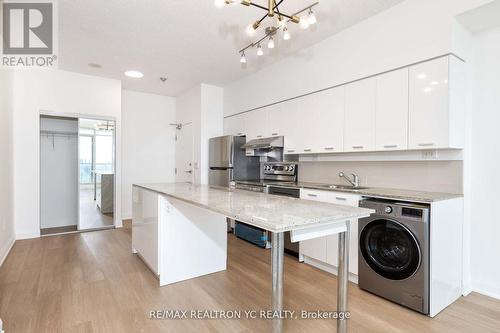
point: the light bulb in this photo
(250, 30)
(312, 18)
(243, 59)
(304, 22)
(286, 34)
(219, 3)
(270, 44)
(259, 50)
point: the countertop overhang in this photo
(270, 212)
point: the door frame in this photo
(78, 116)
(192, 151)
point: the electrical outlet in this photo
(429, 154)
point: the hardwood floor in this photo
(90, 282)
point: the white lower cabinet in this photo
(325, 249)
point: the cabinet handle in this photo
(390, 146)
(341, 198)
(259, 136)
(290, 150)
(329, 148)
(358, 147)
(307, 149)
(239, 134)
(274, 134)
(312, 195)
(426, 144)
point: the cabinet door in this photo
(391, 128)
(359, 129)
(234, 125)
(332, 241)
(314, 248)
(276, 114)
(328, 115)
(256, 123)
(429, 100)
(291, 126)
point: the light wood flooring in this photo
(90, 282)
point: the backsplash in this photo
(434, 176)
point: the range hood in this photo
(265, 143)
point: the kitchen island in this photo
(179, 230)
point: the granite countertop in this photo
(270, 212)
(373, 192)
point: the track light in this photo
(243, 59)
(259, 50)
(270, 44)
(286, 34)
(312, 18)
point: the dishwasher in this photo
(287, 191)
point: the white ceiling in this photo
(188, 41)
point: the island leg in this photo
(277, 277)
(342, 279)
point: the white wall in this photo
(64, 93)
(484, 162)
(411, 31)
(203, 107)
(148, 142)
(59, 181)
(212, 123)
(7, 235)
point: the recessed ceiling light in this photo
(94, 65)
(134, 74)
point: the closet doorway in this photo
(77, 167)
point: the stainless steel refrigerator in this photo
(228, 162)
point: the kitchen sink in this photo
(344, 187)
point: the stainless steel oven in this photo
(293, 192)
(279, 178)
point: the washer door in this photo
(390, 249)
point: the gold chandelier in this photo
(281, 23)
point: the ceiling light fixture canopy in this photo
(281, 22)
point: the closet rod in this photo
(58, 133)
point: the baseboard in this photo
(28, 235)
(328, 268)
(489, 293)
(5, 252)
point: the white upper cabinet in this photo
(234, 125)
(436, 116)
(276, 113)
(418, 107)
(359, 124)
(391, 128)
(327, 132)
(256, 124)
(291, 126)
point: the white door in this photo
(359, 130)
(234, 125)
(429, 112)
(256, 124)
(392, 111)
(184, 168)
(328, 126)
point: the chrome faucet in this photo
(355, 179)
